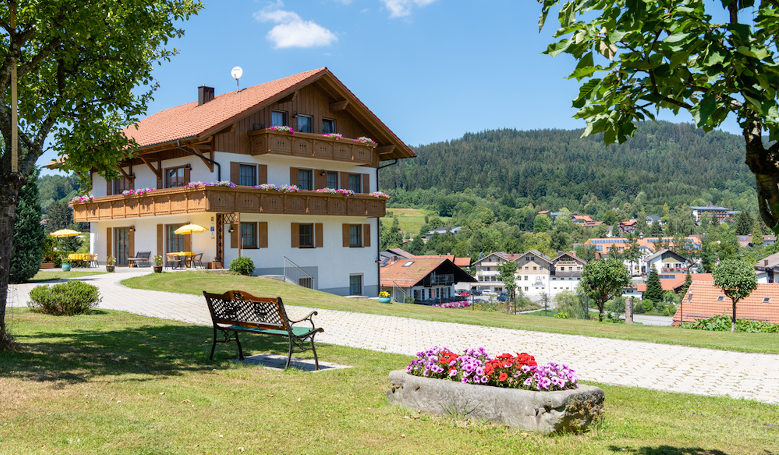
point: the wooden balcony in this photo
(172, 201)
(308, 145)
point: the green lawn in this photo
(58, 274)
(194, 282)
(410, 220)
(113, 382)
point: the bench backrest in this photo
(144, 254)
(243, 309)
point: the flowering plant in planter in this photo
(365, 140)
(194, 185)
(266, 186)
(87, 198)
(223, 183)
(282, 128)
(138, 192)
(334, 135)
(460, 304)
(326, 190)
(384, 294)
(475, 366)
(379, 194)
(289, 188)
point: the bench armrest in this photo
(307, 318)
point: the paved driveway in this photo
(619, 362)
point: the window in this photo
(355, 183)
(328, 126)
(177, 176)
(408, 264)
(304, 179)
(306, 282)
(355, 235)
(304, 123)
(248, 175)
(306, 233)
(332, 180)
(175, 242)
(355, 284)
(248, 235)
(278, 118)
(121, 184)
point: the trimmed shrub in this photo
(243, 266)
(64, 299)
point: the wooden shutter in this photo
(366, 183)
(262, 174)
(262, 234)
(344, 180)
(320, 181)
(366, 235)
(131, 242)
(295, 233)
(293, 176)
(345, 235)
(319, 235)
(132, 178)
(186, 177)
(108, 242)
(109, 187)
(235, 173)
(160, 240)
(160, 178)
(188, 242)
(235, 236)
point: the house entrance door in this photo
(122, 245)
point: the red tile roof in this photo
(677, 281)
(396, 274)
(705, 304)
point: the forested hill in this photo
(671, 163)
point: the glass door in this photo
(122, 245)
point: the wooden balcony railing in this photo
(308, 145)
(172, 201)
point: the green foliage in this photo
(242, 266)
(654, 290)
(506, 274)
(722, 323)
(29, 237)
(64, 299)
(571, 304)
(737, 280)
(676, 56)
(603, 280)
(562, 315)
(744, 224)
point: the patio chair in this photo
(93, 260)
(172, 261)
(197, 261)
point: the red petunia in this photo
(502, 377)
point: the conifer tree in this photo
(26, 253)
(744, 224)
(654, 290)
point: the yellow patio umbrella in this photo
(190, 229)
(65, 233)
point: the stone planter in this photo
(66, 267)
(384, 300)
(110, 268)
(157, 268)
(543, 412)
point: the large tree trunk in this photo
(763, 163)
(9, 196)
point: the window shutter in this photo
(262, 174)
(344, 180)
(262, 234)
(186, 177)
(160, 181)
(108, 242)
(109, 187)
(160, 241)
(366, 183)
(235, 236)
(345, 235)
(366, 235)
(320, 181)
(131, 243)
(293, 176)
(295, 234)
(235, 173)
(188, 242)
(318, 232)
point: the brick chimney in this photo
(204, 94)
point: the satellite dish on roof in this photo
(236, 73)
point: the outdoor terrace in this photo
(172, 201)
(309, 145)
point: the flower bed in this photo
(346, 193)
(282, 128)
(460, 304)
(87, 198)
(138, 192)
(379, 194)
(365, 140)
(544, 398)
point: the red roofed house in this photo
(426, 280)
(330, 239)
(704, 300)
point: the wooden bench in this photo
(140, 257)
(239, 311)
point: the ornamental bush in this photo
(722, 323)
(64, 299)
(243, 266)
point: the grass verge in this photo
(112, 382)
(194, 282)
(59, 275)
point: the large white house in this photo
(537, 274)
(306, 130)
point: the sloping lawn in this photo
(113, 382)
(194, 282)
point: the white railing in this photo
(295, 274)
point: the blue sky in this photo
(432, 70)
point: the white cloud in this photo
(291, 30)
(402, 8)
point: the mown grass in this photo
(409, 220)
(194, 282)
(112, 382)
(50, 275)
